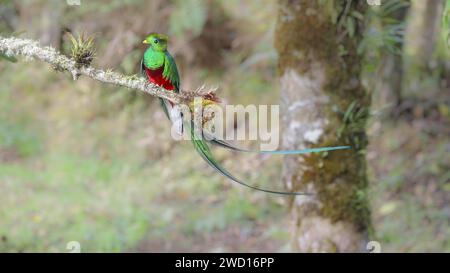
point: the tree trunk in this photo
(430, 13)
(47, 28)
(389, 87)
(324, 104)
(425, 70)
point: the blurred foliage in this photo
(445, 37)
(386, 32)
(95, 164)
(188, 16)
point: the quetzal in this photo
(159, 67)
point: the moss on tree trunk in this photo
(324, 104)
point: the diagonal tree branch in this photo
(31, 50)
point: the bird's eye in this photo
(155, 41)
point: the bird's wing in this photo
(171, 71)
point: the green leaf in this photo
(392, 6)
(358, 15)
(342, 51)
(348, 113)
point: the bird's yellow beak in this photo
(145, 42)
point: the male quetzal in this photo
(159, 67)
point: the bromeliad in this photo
(159, 67)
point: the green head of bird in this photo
(156, 41)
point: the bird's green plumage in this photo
(171, 71)
(157, 57)
(154, 59)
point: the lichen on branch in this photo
(32, 50)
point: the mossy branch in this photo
(31, 50)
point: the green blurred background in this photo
(83, 161)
